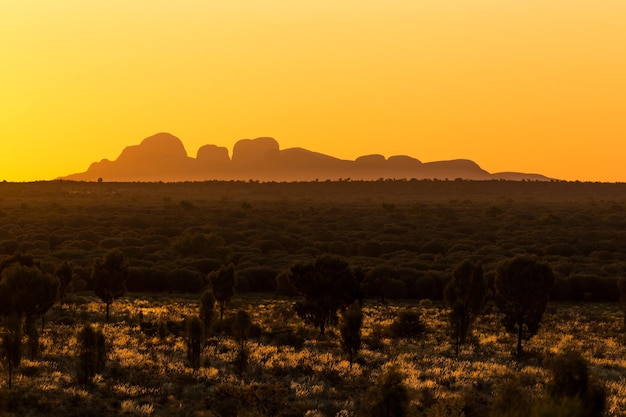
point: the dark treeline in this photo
(405, 237)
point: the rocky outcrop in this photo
(163, 157)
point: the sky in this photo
(529, 86)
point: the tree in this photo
(194, 340)
(109, 276)
(12, 345)
(350, 329)
(241, 327)
(27, 293)
(328, 285)
(223, 284)
(207, 310)
(377, 281)
(522, 287)
(64, 273)
(92, 354)
(241, 330)
(465, 294)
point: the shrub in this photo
(572, 383)
(91, 354)
(387, 397)
(408, 324)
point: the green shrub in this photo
(408, 324)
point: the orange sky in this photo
(529, 86)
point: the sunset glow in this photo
(534, 86)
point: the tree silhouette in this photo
(328, 285)
(241, 330)
(12, 345)
(109, 276)
(350, 329)
(64, 273)
(223, 284)
(207, 310)
(465, 294)
(522, 287)
(377, 281)
(194, 340)
(27, 293)
(91, 354)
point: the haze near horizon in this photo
(529, 87)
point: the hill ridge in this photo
(163, 157)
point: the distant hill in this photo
(162, 157)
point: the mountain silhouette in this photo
(162, 157)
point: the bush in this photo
(387, 397)
(572, 383)
(92, 353)
(408, 324)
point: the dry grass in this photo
(149, 375)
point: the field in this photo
(148, 374)
(173, 235)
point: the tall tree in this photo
(241, 330)
(194, 340)
(466, 295)
(207, 310)
(241, 327)
(522, 287)
(27, 293)
(109, 276)
(223, 284)
(377, 281)
(64, 273)
(12, 345)
(328, 285)
(350, 329)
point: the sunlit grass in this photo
(150, 375)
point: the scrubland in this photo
(292, 370)
(173, 235)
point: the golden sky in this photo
(528, 86)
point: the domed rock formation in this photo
(213, 155)
(253, 151)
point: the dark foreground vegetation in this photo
(424, 292)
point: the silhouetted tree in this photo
(194, 340)
(207, 310)
(92, 354)
(241, 329)
(350, 329)
(465, 294)
(377, 281)
(64, 273)
(12, 345)
(27, 294)
(223, 285)
(109, 276)
(328, 286)
(522, 287)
